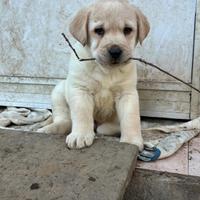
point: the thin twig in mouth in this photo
(162, 70)
(136, 59)
(75, 53)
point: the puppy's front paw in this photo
(79, 140)
(136, 141)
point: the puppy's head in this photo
(111, 28)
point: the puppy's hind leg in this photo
(61, 113)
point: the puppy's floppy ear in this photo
(142, 25)
(79, 26)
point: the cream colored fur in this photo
(97, 90)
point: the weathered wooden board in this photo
(195, 103)
(163, 95)
(34, 56)
(176, 104)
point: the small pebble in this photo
(92, 179)
(35, 186)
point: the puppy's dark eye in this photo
(99, 31)
(127, 30)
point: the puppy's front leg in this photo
(129, 116)
(81, 107)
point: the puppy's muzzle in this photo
(115, 53)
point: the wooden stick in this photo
(137, 59)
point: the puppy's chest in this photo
(104, 101)
(105, 95)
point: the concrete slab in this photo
(153, 185)
(39, 167)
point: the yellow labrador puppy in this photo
(104, 90)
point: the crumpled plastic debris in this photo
(24, 118)
(178, 135)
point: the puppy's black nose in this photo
(115, 52)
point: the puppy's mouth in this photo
(109, 62)
(119, 62)
(113, 56)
